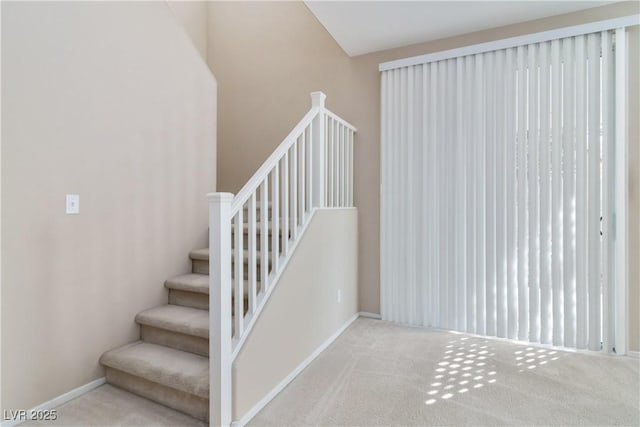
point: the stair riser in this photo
(189, 299)
(175, 340)
(187, 403)
(198, 300)
(202, 267)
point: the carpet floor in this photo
(111, 406)
(378, 373)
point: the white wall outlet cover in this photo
(73, 204)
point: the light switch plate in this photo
(73, 204)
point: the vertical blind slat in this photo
(470, 170)
(425, 190)
(410, 253)
(523, 296)
(556, 194)
(460, 223)
(593, 193)
(607, 190)
(512, 253)
(532, 184)
(581, 194)
(568, 193)
(501, 206)
(546, 312)
(490, 212)
(480, 197)
(449, 123)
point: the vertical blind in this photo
(495, 187)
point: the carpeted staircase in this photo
(170, 362)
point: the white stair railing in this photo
(312, 168)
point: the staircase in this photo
(170, 362)
(253, 235)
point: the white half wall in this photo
(303, 311)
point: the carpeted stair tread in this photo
(200, 254)
(191, 282)
(176, 318)
(172, 368)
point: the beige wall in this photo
(302, 312)
(110, 101)
(192, 15)
(269, 56)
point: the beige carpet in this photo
(378, 373)
(111, 406)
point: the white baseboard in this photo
(369, 315)
(277, 389)
(57, 401)
(635, 354)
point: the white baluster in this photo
(264, 236)
(351, 168)
(303, 177)
(285, 204)
(251, 258)
(275, 218)
(310, 178)
(294, 190)
(331, 140)
(238, 263)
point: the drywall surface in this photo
(110, 101)
(268, 56)
(193, 17)
(302, 312)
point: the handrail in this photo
(256, 179)
(340, 120)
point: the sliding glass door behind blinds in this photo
(496, 192)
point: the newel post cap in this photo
(317, 99)
(220, 197)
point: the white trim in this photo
(277, 389)
(220, 320)
(635, 354)
(57, 401)
(591, 27)
(340, 120)
(369, 315)
(621, 282)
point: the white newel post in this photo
(220, 308)
(318, 144)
